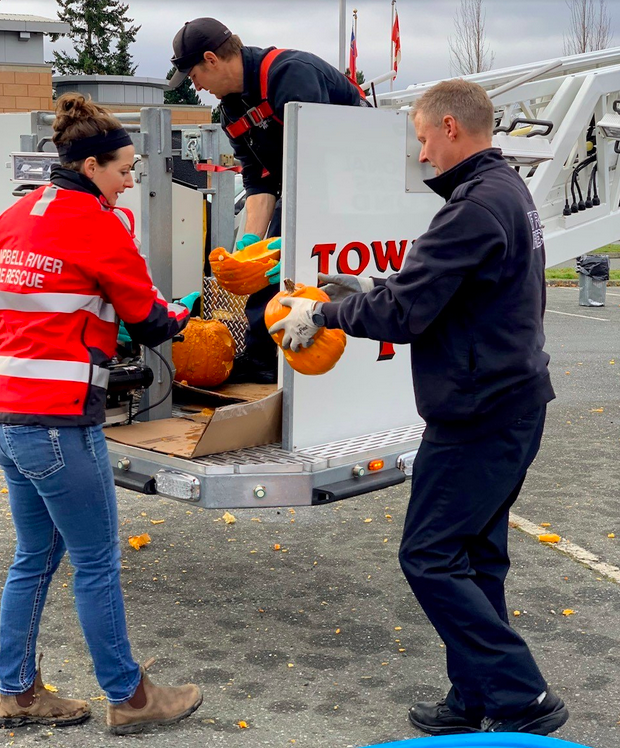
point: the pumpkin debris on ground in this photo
(137, 541)
(549, 538)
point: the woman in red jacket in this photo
(69, 267)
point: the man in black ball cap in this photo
(253, 85)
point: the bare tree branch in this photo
(469, 52)
(589, 26)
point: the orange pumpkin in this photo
(243, 272)
(205, 357)
(328, 345)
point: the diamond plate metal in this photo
(227, 308)
(321, 456)
(367, 443)
(268, 454)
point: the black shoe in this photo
(538, 719)
(246, 370)
(436, 718)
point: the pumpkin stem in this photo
(289, 285)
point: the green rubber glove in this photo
(123, 337)
(246, 240)
(190, 299)
(273, 275)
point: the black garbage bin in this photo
(593, 276)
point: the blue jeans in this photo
(62, 497)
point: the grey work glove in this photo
(341, 285)
(297, 326)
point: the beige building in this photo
(26, 82)
(25, 79)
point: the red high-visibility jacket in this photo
(69, 265)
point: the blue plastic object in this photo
(483, 740)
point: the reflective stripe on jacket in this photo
(69, 265)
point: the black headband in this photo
(104, 142)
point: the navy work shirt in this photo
(293, 76)
(469, 300)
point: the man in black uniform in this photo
(254, 85)
(469, 301)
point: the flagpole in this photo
(342, 36)
(392, 47)
(355, 33)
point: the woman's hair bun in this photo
(78, 116)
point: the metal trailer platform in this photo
(270, 476)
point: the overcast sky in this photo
(517, 31)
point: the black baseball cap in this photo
(191, 42)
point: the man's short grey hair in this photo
(467, 102)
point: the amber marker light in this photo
(375, 464)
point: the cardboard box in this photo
(253, 416)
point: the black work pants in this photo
(454, 554)
(260, 348)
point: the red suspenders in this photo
(263, 111)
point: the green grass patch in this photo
(608, 249)
(570, 274)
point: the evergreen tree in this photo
(216, 115)
(184, 94)
(359, 74)
(122, 65)
(95, 26)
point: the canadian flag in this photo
(396, 42)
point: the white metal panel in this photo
(187, 235)
(12, 126)
(345, 187)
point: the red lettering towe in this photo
(390, 256)
(355, 257)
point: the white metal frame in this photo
(571, 93)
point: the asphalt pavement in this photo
(299, 623)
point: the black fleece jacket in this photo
(469, 300)
(293, 76)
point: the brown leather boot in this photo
(45, 708)
(153, 705)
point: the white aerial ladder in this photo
(576, 95)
